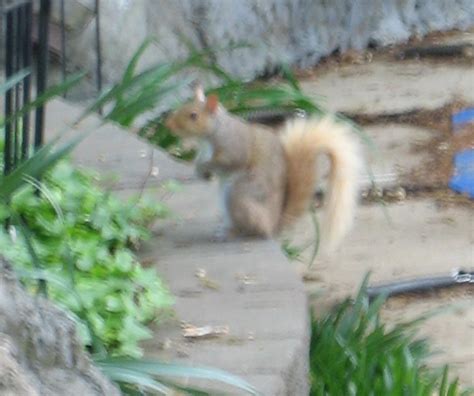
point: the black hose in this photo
(421, 285)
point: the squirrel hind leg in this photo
(252, 219)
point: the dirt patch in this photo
(439, 168)
(447, 295)
(432, 177)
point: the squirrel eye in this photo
(193, 116)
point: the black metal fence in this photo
(16, 24)
(22, 136)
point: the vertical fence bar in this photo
(63, 42)
(98, 48)
(28, 16)
(2, 36)
(42, 67)
(9, 94)
(18, 53)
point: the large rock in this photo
(279, 31)
(40, 353)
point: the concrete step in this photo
(388, 87)
(394, 157)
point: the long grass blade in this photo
(35, 166)
(13, 80)
(55, 90)
(138, 379)
(132, 64)
(46, 192)
(159, 369)
(317, 238)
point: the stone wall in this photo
(40, 353)
(279, 31)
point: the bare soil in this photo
(434, 174)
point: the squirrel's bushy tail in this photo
(303, 140)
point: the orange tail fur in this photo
(303, 140)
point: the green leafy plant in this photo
(72, 220)
(79, 239)
(353, 353)
(123, 292)
(138, 92)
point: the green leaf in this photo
(85, 262)
(51, 92)
(124, 261)
(113, 303)
(130, 69)
(138, 379)
(13, 80)
(34, 167)
(159, 369)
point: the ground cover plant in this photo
(74, 223)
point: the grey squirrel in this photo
(269, 178)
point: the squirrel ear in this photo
(199, 93)
(212, 103)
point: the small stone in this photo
(167, 344)
(154, 171)
(443, 146)
(468, 52)
(200, 273)
(397, 194)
